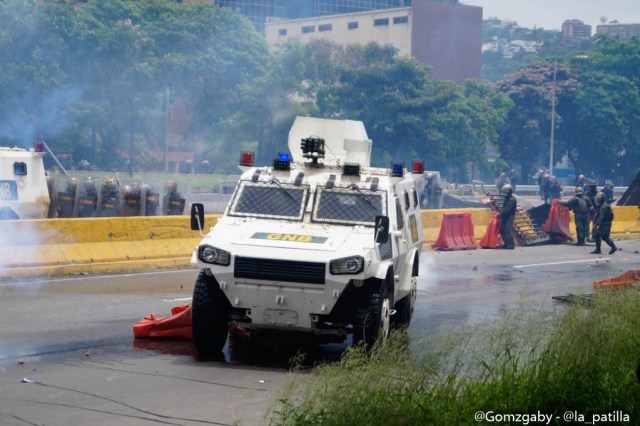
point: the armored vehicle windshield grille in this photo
(272, 200)
(279, 270)
(349, 206)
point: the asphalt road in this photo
(68, 356)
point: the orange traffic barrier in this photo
(627, 279)
(176, 325)
(557, 225)
(456, 233)
(492, 238)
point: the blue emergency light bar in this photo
(397, 169)
(282, 162)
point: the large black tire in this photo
(404, 308)
(371, 323)
(209, 316)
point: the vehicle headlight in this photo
(210, 254)
(347, 265)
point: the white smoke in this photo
(428, 273)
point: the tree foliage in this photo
(597, 99)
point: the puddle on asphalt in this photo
(265, 349)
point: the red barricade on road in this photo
(492, 238)
(625, 280)
(177, 325)
(557, 225)
(456, 233)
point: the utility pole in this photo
(553, 118)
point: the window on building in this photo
(282, 32)
(400, 19)
(325, 27)
(308, 29)
(352, 25)
(380, 22)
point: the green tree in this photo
(599, 129)
(525, 138)
(35, 96)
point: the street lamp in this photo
(553, 118)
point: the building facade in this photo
(576, 29)
(390, 26)
(444, 35)
(618, 30)
(260, 12)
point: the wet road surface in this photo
(68, 356)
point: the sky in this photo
(550, 14)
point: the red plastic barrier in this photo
(177, 325)
(557, 225)
(627, 279)
(492, 238)
(456, 233)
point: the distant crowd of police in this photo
(591, 209)
(107, 198)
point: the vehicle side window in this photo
(19, 168)
(399, 219)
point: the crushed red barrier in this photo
(629, 278)
(176, 325)
(557, 225)
(492, 238)
(456, 233)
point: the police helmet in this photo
(110, 185)
(72, 184)
(507, 188)
(172, 186)
(89, 185)
(599, 198)
(579, 190)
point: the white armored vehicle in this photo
(23, 184)
(320, 242)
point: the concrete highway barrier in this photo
(90, 245)
(68, 246)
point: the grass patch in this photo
(582, 359)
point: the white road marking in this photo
(562, 263)
(182, 299)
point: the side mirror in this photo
(197, 217)
(382, 229)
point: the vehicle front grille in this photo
(279, 270)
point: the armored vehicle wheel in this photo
(404, 307)
(209, 310)
(372, 323)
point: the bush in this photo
(580, 359)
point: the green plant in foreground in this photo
(581, 359)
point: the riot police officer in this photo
(602, 224)
(89, 199)
(67, 198)
(581, 207)
(507, 216)
(152, 200)
(590, 192)
(174, 203)
(607, 190)
(555, 188)
(110, 204)
(132, 202)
